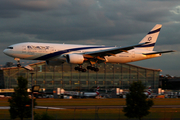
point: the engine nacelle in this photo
(75, 58)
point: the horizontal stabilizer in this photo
(158, 52)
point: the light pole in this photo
(29, 68)
(32, 96)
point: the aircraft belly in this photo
(115, 59)
(28, 57)
(125, 58)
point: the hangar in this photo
(64, 76)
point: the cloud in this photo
(14, 8)
(176, 10)
(82, 19)
(107, 22)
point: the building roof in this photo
(145, 67)
(14, 67)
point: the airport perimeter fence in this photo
(98, 113)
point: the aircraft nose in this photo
(6, 51)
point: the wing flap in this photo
(158, 52)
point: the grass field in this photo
(98, 113)
(99, 102)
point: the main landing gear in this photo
(93, 68)
(18, 65)
(79, 68)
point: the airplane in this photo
(91, 94)
(57, 54)
(83, 94)
(148, 92)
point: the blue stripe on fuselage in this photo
(54, 54)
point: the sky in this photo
(93, 22)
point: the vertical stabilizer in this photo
(149, 91)
(151, 37)
(97, 90)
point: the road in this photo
(91, 107)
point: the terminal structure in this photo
(110, 76)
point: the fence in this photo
(99, 113)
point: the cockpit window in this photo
(9, 47)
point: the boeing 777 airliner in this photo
(56, 54)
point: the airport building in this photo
(64, 76)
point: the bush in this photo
(43, 116)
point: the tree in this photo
(20, 103)
(137, 104)
(43, 116)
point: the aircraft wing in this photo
(111, 51)
(158, 52)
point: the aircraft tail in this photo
(149, 91)
(151, 38)
(97, 90)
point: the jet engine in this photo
(75, 58)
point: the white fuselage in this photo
(83, 94)
(47, 51)
(90, 94)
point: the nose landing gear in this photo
(18, 65)
(18, 62)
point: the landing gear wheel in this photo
(83, 70)
(18, 62)
(96, 69)
(79, 68)
(92, 68)
(89, 67)
(76, 68)
(18, 65)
